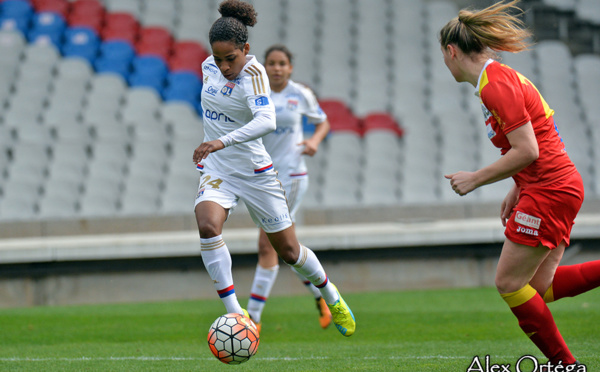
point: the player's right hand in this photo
(206, 148)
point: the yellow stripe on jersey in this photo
(519, 297)
(547, 110)
(483, 82)
(257, 80)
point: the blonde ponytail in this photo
(493, 27)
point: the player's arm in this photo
(311, 145)
(524, 151)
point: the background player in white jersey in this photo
(287, 146)
(237, 112)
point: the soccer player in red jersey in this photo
(539, 210)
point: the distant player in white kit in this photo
(234, 164)
(287, 148)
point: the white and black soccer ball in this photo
(233, 338)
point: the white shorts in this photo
(262, 193)
(295, 188)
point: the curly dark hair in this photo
(236, 15)
(279, 48)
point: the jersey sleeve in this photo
(506, 102)
(311, 108)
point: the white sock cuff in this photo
(302, 257)
(211, 240)
(267, 270)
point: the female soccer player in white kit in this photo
(287, 148)
(237, 112)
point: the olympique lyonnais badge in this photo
(227, 89)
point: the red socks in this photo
(538, 324)
(570, 281)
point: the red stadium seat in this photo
(155, 41)
(90, 20)
(56, 6)
(185, 64)
(156, 35)
(340, 116)
(87, 7)
(120, 22)
(190, 49)
(381, 121)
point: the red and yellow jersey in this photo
(509, 100)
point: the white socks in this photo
(217, 261)
(311, 288)
(308, 265)
(264, 278)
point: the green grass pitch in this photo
(433, 330)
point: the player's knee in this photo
(507, 284)
(207, 228)
(288, 254)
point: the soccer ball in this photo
(233, 338)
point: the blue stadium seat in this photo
(148, 71)
(182, 86)
(47, 26)
(15, 15)
(81, 42)
(115, 56)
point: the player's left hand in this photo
(310, 147)
(206, 148)
(462, 182)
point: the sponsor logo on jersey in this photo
(486, 112)
(292, 104)
(527, 230)
(527, 220)
(490, 131)
(261, 101)
(280, 218)
(213, 115)
(209, 67)
(227, 89)
(211, 90)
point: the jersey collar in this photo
(487, 63)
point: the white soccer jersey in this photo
(293, 102)
(227, 109)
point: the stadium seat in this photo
(154, 41)
(381, 121)
(15, 15)
(132, 7)
(181, 120)
(115, 56)
(183, 86)
(588, 10)
(59, 7)
(82, 42)
(120, 26)
(47, 27)
(148, 71)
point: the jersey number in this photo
(214, 183)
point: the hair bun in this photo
(244, 12)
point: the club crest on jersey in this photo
(227, 89)
(292, 104)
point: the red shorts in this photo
(545, 214)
